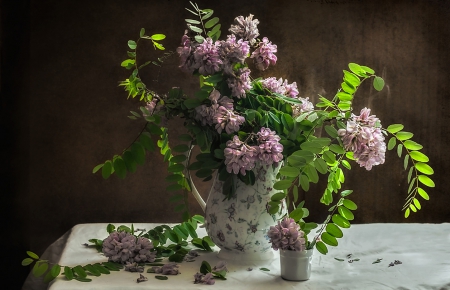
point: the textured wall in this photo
(74, 115)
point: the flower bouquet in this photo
(248, 128)
(242, 124)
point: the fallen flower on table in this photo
(167, 269)
(133, 267)
(191, 255)
(141, 278)
(221, 266)
(207, 279)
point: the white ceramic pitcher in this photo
(238, 226)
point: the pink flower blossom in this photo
(364, 138)
(264, 54)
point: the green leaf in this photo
(79, 271)
(424, 168)
(351, 78)
(289, 171)
(346, 164)
(191, 21)
(333, 230)
(329, 239)
(295, 193)
(368, 69)
(419, 156)
(296, 214)
(311, 172)
(411, 145)
(96, 168)
(423, 193)
(394, 128)
(402, 135)
(378, 83)
(343, 96)
(158, 36)
(399, 150)
(92, 270)
(304, 182)
(195, 28)
(207, 15)
(83, 279)
(282, 184)
(347, 214)
(27, 261)
(278, 196)
(322, 248)
(205, 267)
(417, 203)
(407, 213)
(192, 103)
(138, 152)
(340, 221)
(178, 158)
(288, 121)
(132, 44)
(160, 277)
(321, 165)
(426, 181)
(357, 69)
(129, 161)
(101, 269)
(391, 143)
(348, 88)
(346, 192)
(349, 204)
(210, 23)
(329, 157)
(199, 38)
(120, 167)
(176, 167)
(142, 32)
(32, 255)
(331, 131)
(107, 169)
(337, 149)
(264, 269)
(68, 273)
(405, 162)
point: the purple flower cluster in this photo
(280, 87)
(269, 149)
(286, 235)
(365, 139)
(245, 28)
(232, 51)
(123, 247)
(306, 106)
(211, 57)
(264, 54)
(240, 157)
(240, 83)
(220, 114)
(206, 279)
(206, 57)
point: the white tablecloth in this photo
(423, 249)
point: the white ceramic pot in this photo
(295, 266)
(239, 226)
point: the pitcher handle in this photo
(197, 195)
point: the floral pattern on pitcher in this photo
(240, 224)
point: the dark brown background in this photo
(63, 112)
